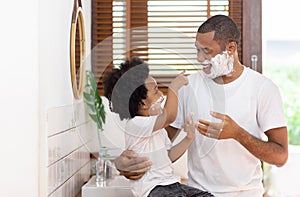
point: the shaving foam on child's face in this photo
(156, 107)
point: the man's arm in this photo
(273, 151)
(132, 166)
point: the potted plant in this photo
(94, 102)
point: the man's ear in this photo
(231, 47)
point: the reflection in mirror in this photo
(77, 55)
(77, 52)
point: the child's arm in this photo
(171, 106)
(178, 150)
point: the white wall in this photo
(63, 122)
(280, 19)
(19, 98)
(35, 82)
(280, 32)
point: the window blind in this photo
(161, 32)
(102, 41)
(236, 13)
(130, 31)
(172, 30)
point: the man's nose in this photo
(201, 57)
(160, 93)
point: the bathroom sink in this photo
(115, 187)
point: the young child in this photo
(134, 95)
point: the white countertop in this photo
(115, 187)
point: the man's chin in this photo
(207, 70)
(209, 74)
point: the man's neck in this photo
(236, 73)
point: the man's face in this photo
(207, 48)
(215, 62)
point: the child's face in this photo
(153, 94)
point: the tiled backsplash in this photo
(69, 132)
(72, 186)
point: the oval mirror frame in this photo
(77, 22)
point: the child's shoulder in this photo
(141, 121)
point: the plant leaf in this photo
(98, 98)
(94, 101)
(91, 107)
(102, 113)
(92, 80)
(99, 125)
(88, 97)
(94, 117)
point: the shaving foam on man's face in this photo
(220, 65)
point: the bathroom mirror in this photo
(77, 50)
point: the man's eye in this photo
(203, 51)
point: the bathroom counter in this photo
(115, 187)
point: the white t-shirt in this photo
(140, 138)
(225, 167)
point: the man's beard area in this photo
(220, 65)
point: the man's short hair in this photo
(226, 30)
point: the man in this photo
(236, 107)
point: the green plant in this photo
(94, 101)
(292, 112)
(288, 81)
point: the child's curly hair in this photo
(125, 87)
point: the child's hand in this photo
(179, 81)
(189, 127)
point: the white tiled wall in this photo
(72, 186)
(69, 133)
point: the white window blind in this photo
(172, 29)
(162, 32)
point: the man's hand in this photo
(273, 151)
(226, 129)
(132, 166)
